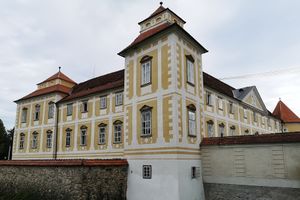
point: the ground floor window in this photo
(147, 171)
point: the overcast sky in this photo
(84, 37)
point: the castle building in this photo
(153, 113)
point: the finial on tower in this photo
(279, 99)
(59, 68)
(161, 3)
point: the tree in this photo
(4, 142)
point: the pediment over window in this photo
(232, 127)
(190, 57)
(210, 122)
(221, 125)
(117, 122)
(145, 58)
(102, 125)
(191, 107)
(145, 107)
(83, 127)
(68, 129)
(35, 133)
(49, 131)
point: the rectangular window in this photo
(221, 130)
(268, 122)
(190, 72)
(147, 171)
(37, 113)
(117, 133)
(210, 129)
(192, 122)
(220, 103)
(85, 106)
(245, 113)
(102, 135)
(69, 109)
(146, 73)
(50, 110)
(34, 141)
(146, 123)
(119, 98)
(208, 99)
(254, 116)
(68, 138)
(83, 137)
(24, 115)
(49, 140)
(232, 131)
(231, 108)
(22, 140)
(103, 102)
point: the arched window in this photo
(102, 131)
(146, 120)
(118, 131)
(24, 115)
(210, 128)
(37, 112)
(34, 140)
(83, 136)
(49, 139)
(191, 120)
(22, 141)
(68, 137)
(50, 110)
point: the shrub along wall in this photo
(63, 179)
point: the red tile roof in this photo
(96, 85)
(66, 163)
(58, 75)
(253, 139)
(52, 89)
(285, 114)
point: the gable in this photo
(253, 99)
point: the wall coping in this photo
(65, 162)
(291, 137)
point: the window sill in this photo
(84, 111)
(68, 146)
(104, 108)
(117, 142)
(191, 84)
(145, 136)
(101, 143)
(192, 135)
(146, 84)
(83, 145)
(69, 115)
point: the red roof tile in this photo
(59, 75)
(253, 139)
(52, 89)
(65, 163)
(97, 85)
(284, 113)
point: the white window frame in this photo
(69, 109)
(245, 113)
(254, 116)
(208, 99)
(49, 140)
(37, 112)
(102, 134)
(146, 72)
(147, 172)
(119, 98)
(191, 122)
(34, 140)
(68, 138)
(22, 141)
(83, 136)
(85, 106)
(146, 118)
(231, 110)
(118, 133)
(221, 130)
(103, 102)
(232, 131)
(24, 115)
(190, 68)
(220, 103)
(210, 129)
(50, 110)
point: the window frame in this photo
(208, 98)
(118, 94)
(210, 123)
(101, 101)
(144, 61)
(191, 110)
(37, 111)
(34, 144)
(85, 106)
(24, 115)
(83, 136)
(220, 103)
(190, 78)
(245, 113)
(22, 141)
(221, 127)
(68, 137)
(49, 139)
(69, 109)
(231, 110)
(147, 171)
(232, 130)
(146, 110)
(101, 135)
(51, 110)
(117, 133)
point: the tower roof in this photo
(285, 113)
(58, 75)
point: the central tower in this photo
(163, 103)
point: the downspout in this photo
(56, 132)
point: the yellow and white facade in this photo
(155, 118)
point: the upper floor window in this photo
(208, 99)
(68, 137)
(119, 98)
(50, 110)
(22, 141)
(191, 120)
(103, 102)
(102, 130)
(269, 122)
(117, 131)
(254, 116)
(146, 70)
(34, 140)
(190, 69)
(83, 135)
(84, 107)
(220, 103)
(69, 109)
(245, 113)
(24, 115)
(210, 128)
(37, 112)
(231, 111)
(146, 118)
(221, 129)
(49, 139)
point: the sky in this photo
(84, 37)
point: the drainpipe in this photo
(56, 132)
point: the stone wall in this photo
(65, 179)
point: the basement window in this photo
(147, 171)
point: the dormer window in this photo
(190, 69)
(146, 63)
